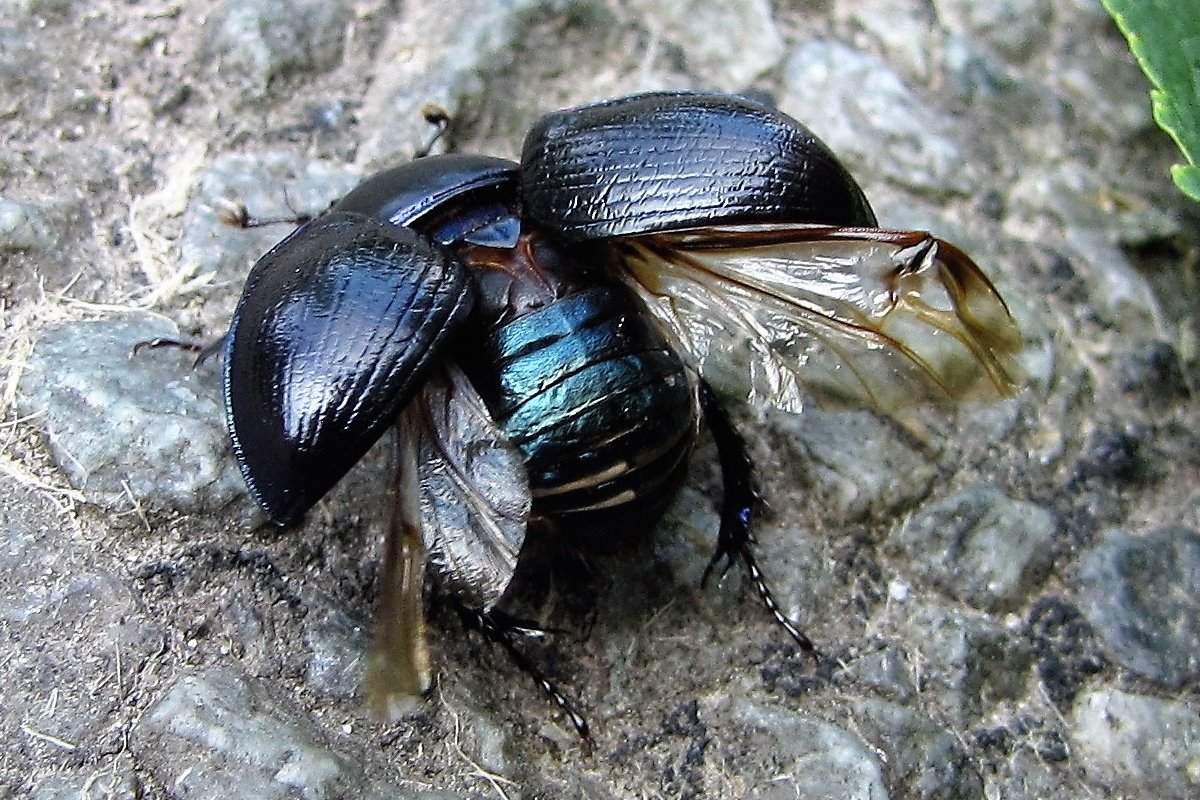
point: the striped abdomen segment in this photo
(600, 406)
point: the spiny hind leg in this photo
(500, 629)
(735, 540)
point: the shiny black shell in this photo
(335, 332)
(666, 161)
(449, 197)
(339, 323)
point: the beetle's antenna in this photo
(496, 632)
(736, 539)
(235, 214)
(436, 115)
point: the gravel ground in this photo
(1009, 597)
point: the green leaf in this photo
(1164, 36)
(1187, 178)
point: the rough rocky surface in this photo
(1142, 595)
(123, 426)
(1005, 596)
(980, 546)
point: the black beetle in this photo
(544, 335)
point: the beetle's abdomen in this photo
(599, 405)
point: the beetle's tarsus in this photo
(764, 592)
(495, 628)
(203, 351)
(160, 342)
(736, 538)
(721, 555)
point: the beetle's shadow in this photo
(570, 592)
(556, 589)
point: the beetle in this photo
(547, 337)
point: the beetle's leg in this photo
(203, 351)
(740, 500)
(736, 539)
(525, 628)
(496, 629)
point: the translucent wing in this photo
(462, 505)
(847, 316)
(474, 491)
(398, 666)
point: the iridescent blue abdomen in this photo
(600, 406)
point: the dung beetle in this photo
(548, 337)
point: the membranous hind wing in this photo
(462, 505)
(475, 495)
(860, 317)
(398, 668)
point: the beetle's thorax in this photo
(511, 282)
